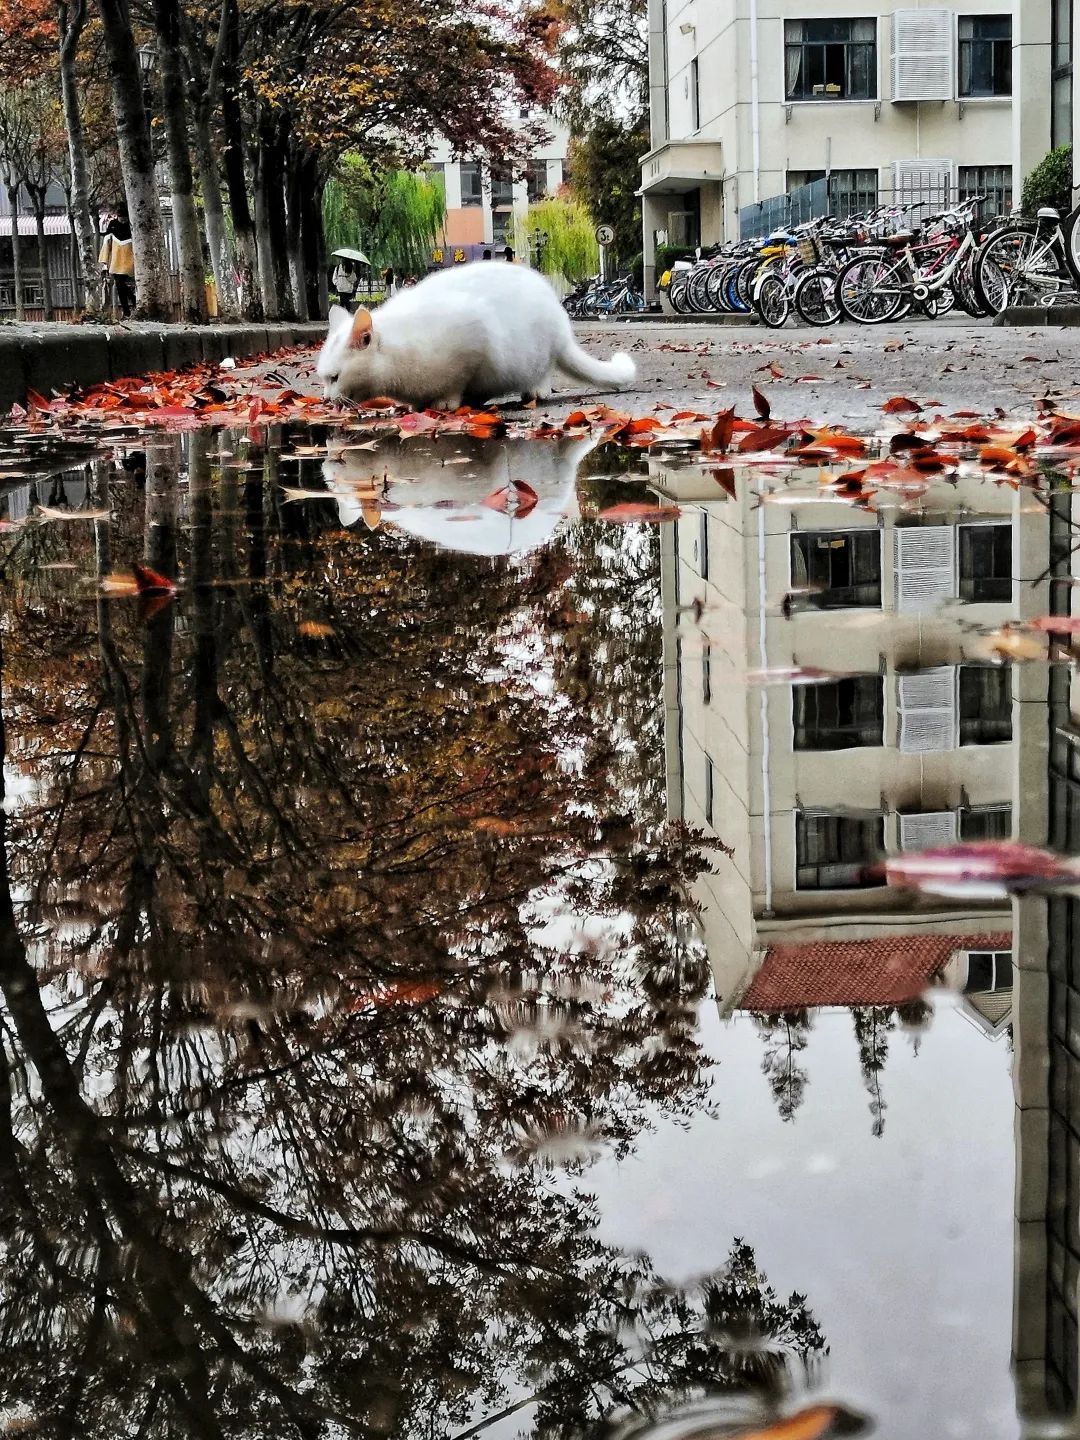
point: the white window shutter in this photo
(924, 832)
(925, 567)
(927, 710)
(922, 54)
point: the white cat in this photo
(435, 490)
(469, 334)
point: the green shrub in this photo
(666, 255)
(1050, 183)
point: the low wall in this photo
(58, 356)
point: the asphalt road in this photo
(845, 373)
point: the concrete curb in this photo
(56, 357)
(1026, 315)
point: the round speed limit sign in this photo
(604, 234)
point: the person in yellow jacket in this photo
(117, 260)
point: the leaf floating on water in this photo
(292, 493)
(517, 498)
(817, 1422)
(151, 582)
(119, 584)
(718, 437)
(634, 510)
(991, 869)
(796, 675)
(761, 404)
(315, 629)
(47, 512)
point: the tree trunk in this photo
(232, 121)
(272, 174)
(37, 200)
(203, 92)
(262, 238)
(16, 250)
(185, 216)
(312, 237)
(293, 231)
(136, 162)
(71, 22)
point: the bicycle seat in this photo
(902, 237)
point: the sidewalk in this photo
(49, 357)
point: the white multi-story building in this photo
(750, 98)
(482, 200)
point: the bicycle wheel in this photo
(815, 297)
(744, 282)
(871, 289)
(677, 295)
(716, 285)
(1071, 230)
(697, 291)
(771, 300)
(1016, 267)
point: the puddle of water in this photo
(450, 982)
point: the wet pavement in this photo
(469, 960)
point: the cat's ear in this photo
(361, 335)
(339, 318)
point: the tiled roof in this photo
(856, 972)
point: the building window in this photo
(986, 564)
(536, 180)
(830, 59)
(988, 970)
(502, 189)
(695, 98)
(845, 567)
(986, 822)
(993, 181)
(851, 192)
(985, 55)
(842, 715)
(833, 851)
(472, 183)
(985, 704)
(708, 791)
(703, 546)
(706, 671)
(1062, 22)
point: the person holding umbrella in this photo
(346, 277)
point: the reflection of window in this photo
(706, 671)
(841, 715)
(831, 851)
(986, 563)
(830, 59)
(845, 567)
(695, 101)
(993, 181)
(703, 546)
(1062, 72)
(472, 183)
(536, 181)
(708, 791)
(988, 970)
(502, 189)
(985, 704)
(985, 55)
(986, 822)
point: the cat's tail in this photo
(618, 372)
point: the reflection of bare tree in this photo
(785, 1038)
(320, 938)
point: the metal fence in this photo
(811, 202)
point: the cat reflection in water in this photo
(435, 490)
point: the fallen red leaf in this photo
(761, 404)
(718, 438)
(150, 582)
(901, 405)
(766, 438)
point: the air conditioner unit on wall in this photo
(926, 708)
(922, 55)
(925, 568)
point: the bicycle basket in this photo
(811, 251)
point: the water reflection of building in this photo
(926, 741)
(1046, 1335)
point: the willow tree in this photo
(558, 235)
(395, 218)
